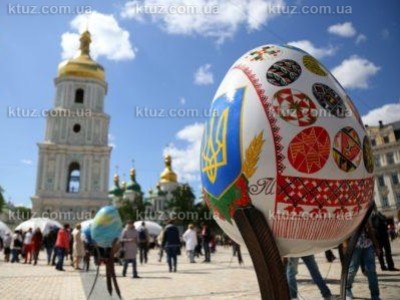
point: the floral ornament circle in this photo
(329, 100)
(313, 65)
(283, 72)
(347, 150)
(295, 107)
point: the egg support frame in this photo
(110, 270)
(267, 260)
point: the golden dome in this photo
(168, 175)
(82, 65)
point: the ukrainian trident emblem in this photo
(221, 156)
(224, 176)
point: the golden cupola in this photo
(168, 175)
(82, 65)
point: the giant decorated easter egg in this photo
(106, 226)
(285, 137)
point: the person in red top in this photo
(37, 239)
(62, 246)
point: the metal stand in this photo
(110, 269)
(346, 256)
(264, 253)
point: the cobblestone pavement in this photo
(222, 279)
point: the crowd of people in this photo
(64, 243)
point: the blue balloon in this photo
(106, 226)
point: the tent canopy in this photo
(43, 223)
(4, 229)
(153, 228)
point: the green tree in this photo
(133, 211)
(205, 216)
(182, 204)
(2, 201)
(23, 213)
(126, 210)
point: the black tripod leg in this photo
(346, 256)
(264, 253)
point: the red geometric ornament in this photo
(309, 150)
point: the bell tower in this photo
(74, 158)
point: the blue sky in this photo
(177, 61)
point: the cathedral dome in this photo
(168, 175)
(133, 185)
(82, 65)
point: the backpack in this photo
(17, 243)
(142, 235)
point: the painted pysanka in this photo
(282, 140)
(106, 226)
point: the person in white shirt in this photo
(190, 238)
(27, 248)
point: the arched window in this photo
(74, 178)
(79, 94)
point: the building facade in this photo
(385, 142)
(74, 158)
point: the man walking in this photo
(7, 247)
(379, 223)
(171, 243)
(62, 246)
(364, 254)
(206, 238)
(130, 239)
(144, 239)
(190, 238)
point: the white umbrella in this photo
(86, 223)
(153, 228)
(85, 229)
(43, 223)
(4, 229)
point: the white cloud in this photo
(387, 113)
(230, 16)
(355, 72)
(182, 100)
(108, 38)
(186, 159)
(26, 161)
(314, 51)
(343, 29)
(361, 38)
(203, 75)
